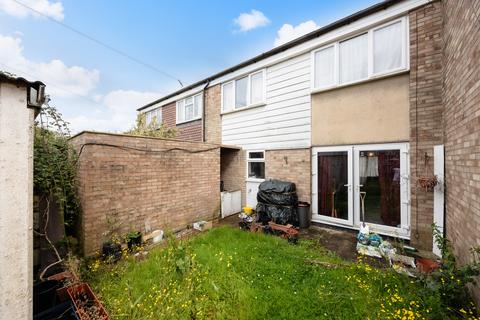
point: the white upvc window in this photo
(373, 53)
(190, 108)
(244, 92)
(256, 165)
(153, 114)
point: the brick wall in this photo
(462, 126)
(233, 171)
(293, 166)
(191, 131)
(169, 113)
(426, 110)
(167, 189)
(213, 122)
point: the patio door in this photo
(381, 189)
(348, 181)
(332, 174)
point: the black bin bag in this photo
(277, 201)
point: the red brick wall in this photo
(169, 115)
(462, 126)
(291, 165)
(168, 189)
(190, 131)
(426, 111)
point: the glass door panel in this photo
(379, 175)
(332, 172)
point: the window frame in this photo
(249, 97)
(156, 112)
(371, 75)
(182, 103)
(250, 160)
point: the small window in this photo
(243, 92)
(387, 48)
(354, 59)
(153, 115)
(256, 165)
(190, 108)
(324, 67)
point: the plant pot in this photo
(86, 303)
(134, 241)
(44, 295)
(111, 250)
(65, 311)
(428, 183)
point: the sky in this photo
(96, 88)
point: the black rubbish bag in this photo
(277, 201)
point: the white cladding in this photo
(284, 121)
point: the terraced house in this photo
(355, 113)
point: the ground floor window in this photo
(362, 183)
(256, 164)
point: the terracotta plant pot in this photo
(427, 265)
(428, 183)
(86, 303)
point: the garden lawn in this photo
(227, 273)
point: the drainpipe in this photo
(203, 110)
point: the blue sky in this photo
(96, 89)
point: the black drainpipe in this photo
(203, 111)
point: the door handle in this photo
(358, 187)
(349, 186)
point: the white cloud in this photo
(119, 113)
(252, 20)
(49, 8)
(288, 32)
(61, 80)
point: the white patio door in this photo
(350, 180)
(381, 188)
(332, 185)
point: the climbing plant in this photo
(55, 160)
(152, 129)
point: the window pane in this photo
(256, 170)
(241, 86)
(180, 112)
(197, 106)
(256, 87)
(332, 181)
(228, 96)
(188, 112)
(387, 48)
(324, 67)
(255, 155)
(353, 59)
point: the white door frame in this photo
(315, 215)
(354, 220)
(404, 230)
(252, 183)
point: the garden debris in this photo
(367, 250)
(402, 269)
(427, 265)
(156, 236)
(202, 225)
(327, 265)
(139, 256)
(288, 231)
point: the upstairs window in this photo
(244, 92)
(379, 51)
(190, 108)
(153, 114)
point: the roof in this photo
(11, 78)
(309, 36)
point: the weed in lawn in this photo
(230, 274)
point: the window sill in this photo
(252, 106)
(188, 121)
(254, 180)
(350, 84)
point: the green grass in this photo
(231, 274)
